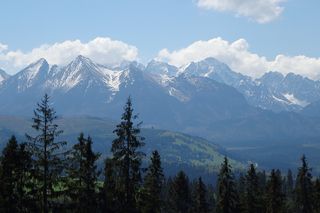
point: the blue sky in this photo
(151, 26)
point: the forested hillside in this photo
(44, 174)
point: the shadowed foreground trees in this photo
(15, 176)
(227, 197)
(47, 153)
(304, 188)
(43, 176)
(127, 159)
(151, 200)
(82, 176)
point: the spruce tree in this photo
(241, 189)
(153, 183)
(211, 198)
(262, 177)
(274, 194)
(227, 197)
(83, 175)
(127, 158)
(8, 179)
(179, 194)
(110, 196)
(15, 167)
(166, 190)
(252, 193)
(47, 154)
(289, 183)
(289, 189)
(316, 196)
(304, 189)
(200, 199)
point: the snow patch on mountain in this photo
(273, 91)
(280, 100)
(112, 78)
(178, 94)
(294, 100)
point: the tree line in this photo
(41, 175)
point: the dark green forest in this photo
(40, 174)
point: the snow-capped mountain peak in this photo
(206, 67)
(272, 91)
(81, 63)
(79, 70)
(161, 68)
(33, 74)
(36, 67)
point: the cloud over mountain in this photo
(101, 49)
(105, 50)
(262, 11)
(239, 57)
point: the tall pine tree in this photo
(227, 197)
(289, 189)
(252, 194)
(316, 196)
(110, 195)
(83, 175)
(289, 183)
(304, 189)
(14, 178)
(179, 194)
(200, 197)
(153, 183)
(127, 158)
(47, 154)
(274, 195)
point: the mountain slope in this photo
(175, 148)
(3, 76)
(85, 88)
(199, 104)
(273, 91)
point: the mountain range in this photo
(264, 120)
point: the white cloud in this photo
(262, 11)
(240, 59)
(3, 47)
(101, 50)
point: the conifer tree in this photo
(252, 194)
(289, 183)
(227, 197)
(127, 158)
(262, 177)
(288, 190)
(47, 154)
(166, 190)
(83, 175)
(15, 167)
(179, 194)
(111, 197)
(8, 179)
(200, 199)
(153, 184)
(211, 198)
(304, 189)
(316, 196)
(274, 196)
